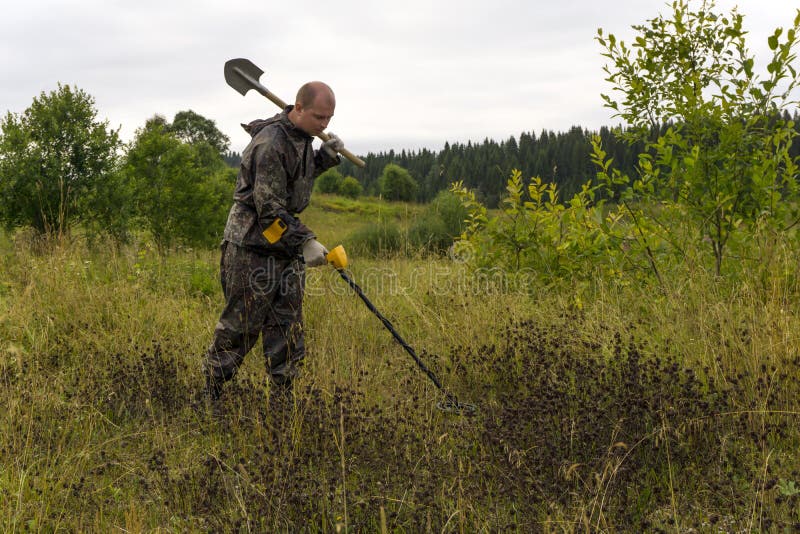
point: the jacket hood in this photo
(253, 127)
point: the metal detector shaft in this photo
(397, 336)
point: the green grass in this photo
(602, 407)
(334, 217)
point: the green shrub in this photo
(396, 183)
(329, 182)
(440, 223)
(449, 208)
(430, 232)
(350, 187)
(375, 239)
(56, 161)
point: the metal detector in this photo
(338, 258)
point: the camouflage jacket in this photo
(275, 180)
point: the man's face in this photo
(314, 119)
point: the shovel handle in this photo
(258, 86)
(270, 95)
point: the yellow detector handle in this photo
(337, 257)
(275, 230)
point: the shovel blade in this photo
(242, 74)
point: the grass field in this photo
(606, 407)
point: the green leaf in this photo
(773, 40)
(788, 488)
(748, 67)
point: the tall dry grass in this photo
(602, 407)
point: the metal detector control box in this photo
(275, 230)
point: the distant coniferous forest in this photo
(561, 157)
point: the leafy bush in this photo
(430, 233)
(350, 187)
(439, 225)
(56, 165)
(193, 128)
(535, 232)
(726, 156)
(181, 190)
(328, 182)
(448, 207)
(396, 183)
(373, 239)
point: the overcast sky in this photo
(407, 74)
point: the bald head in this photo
(313, 108)
(309, 92)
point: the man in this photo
(265, 246)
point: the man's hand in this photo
(334, 145)
(314, 253)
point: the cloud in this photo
(406, 74)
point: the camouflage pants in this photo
(263, 296)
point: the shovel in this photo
(242, 74)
